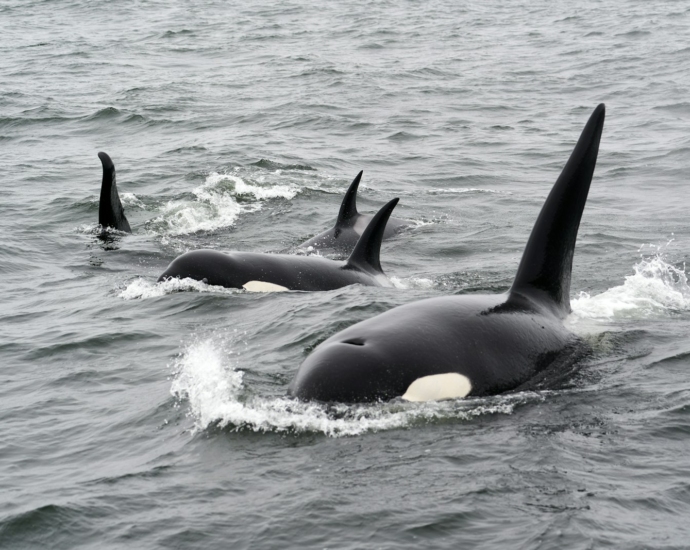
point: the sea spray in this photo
(141, 289)
(655, 288)
(218, 203)
(208, 377)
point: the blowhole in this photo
(354, 342)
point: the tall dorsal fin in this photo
(365, 256)
(546, 265)
(348, 209)
(110, 211)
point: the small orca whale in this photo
(280, 272)
(470, 345)
(110, 211)
(349, 226)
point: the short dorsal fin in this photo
(546, 265)
(110, 211)
(365, 256)
(348, 209)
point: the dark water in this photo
(136, 415)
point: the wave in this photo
(218, 203)
(405, 283)
(218, 397)
(223, 198)
(130, 200)
(141, 289)
(241, 188)
(655, 288)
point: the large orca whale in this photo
(470, 345)
(349, 226)
(110, 211)
(279, 272)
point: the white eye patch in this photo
(260, 286)
(436, 387)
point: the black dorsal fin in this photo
(366, 255)
(110, 211)
(348, 209)
(546, 265)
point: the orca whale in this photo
(110, 211)
(280, 272)
(349, 226)
(469, 345)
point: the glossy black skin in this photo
(110, 210)
(497, 346)
(349, 226)
(347, 237)
(235, 269)
(500, 342)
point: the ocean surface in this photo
(143, 415)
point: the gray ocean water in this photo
(144, 415)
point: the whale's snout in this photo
(348, 371)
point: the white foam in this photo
(241, 188)
(212, 210)
(131, 200)
(97, 229)
(216, 205)
(422, 223)
(88, 228)
(214, 388)
(412, 282)
(141, 289)
(656, 288)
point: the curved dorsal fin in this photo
(348, 208)
(545, 268)
(110, 211)
(365, 256)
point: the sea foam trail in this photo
(218, 203)
(214, 387)
(655, 288)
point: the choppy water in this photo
(136, 415)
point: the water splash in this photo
(208, 378)
(241, 188)
(218, 203)
(656, 288)
(421, 283)
(141, 289)
(130, 200)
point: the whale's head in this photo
(346, 370)
(388, 357)
(208, 266)
(361, 370)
